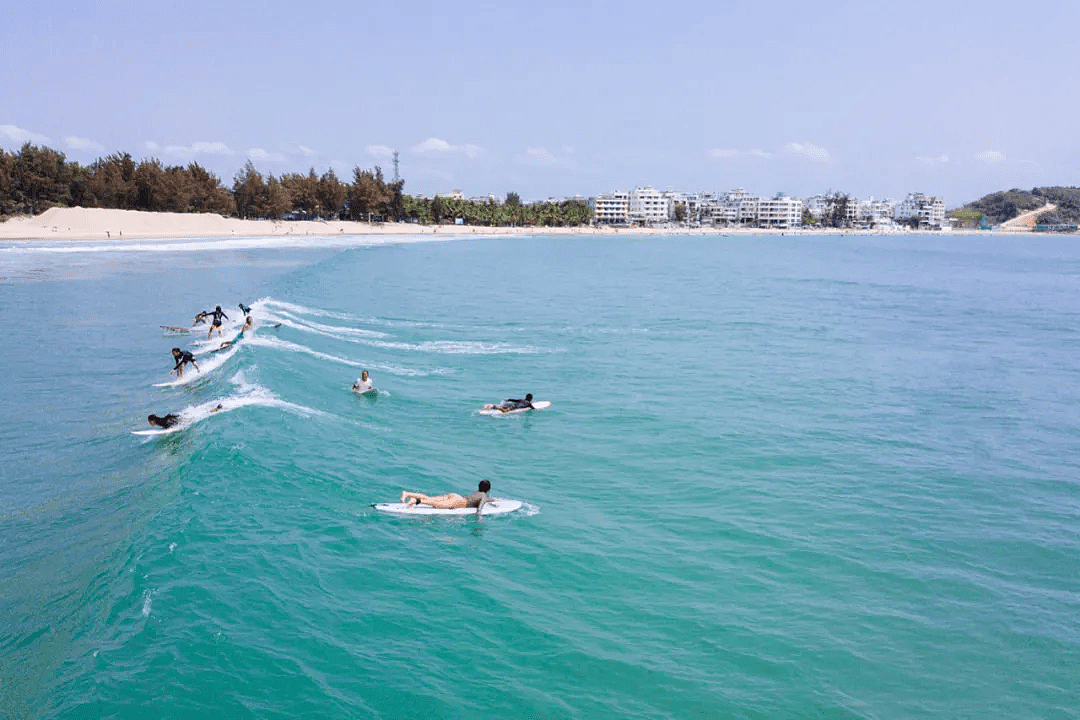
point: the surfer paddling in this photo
(450, 501)
(164, 422)
(182, 357)
(513, 404)
(215, 321)
(363, 384)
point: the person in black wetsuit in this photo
(449, 501)
(245, 308)
(515, 404)
(164, 422)
(215, 321)
(182, 357)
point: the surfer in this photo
(513, 404)
(363, 384)
(245, 308)
(164, 422)
(182, 357)
(200, 318)
(249, 324)
(215, 321)
(449, 501)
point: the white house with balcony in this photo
(929, 210)
(781, 212)
(612, 208)
(649, 206)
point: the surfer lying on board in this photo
(363, 384)
(513, 404)
(164, 422)
(215, 322)
(182, 357)
(449, 501)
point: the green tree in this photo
(248, 190)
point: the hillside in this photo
(1007, 205)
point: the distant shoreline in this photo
(70, 224)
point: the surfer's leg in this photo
(448, 501)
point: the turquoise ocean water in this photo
(814, 477)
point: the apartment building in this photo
(648, 206)
(612, 208)
(780, 212)
(929, 210)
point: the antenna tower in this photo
(396, 176)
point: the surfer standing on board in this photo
(513, 404)
(245, 308)
(200, 318)
(215, 322)
(182, 357)
(450, 501)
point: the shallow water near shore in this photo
(781, 477)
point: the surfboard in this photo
(498, 507)
(175, 328)
(537, 404)
(159, 431)
(368, 393)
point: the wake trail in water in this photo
(250, 394)
(278, 344)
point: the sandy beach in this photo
(103, 224)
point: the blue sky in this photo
(551, 99)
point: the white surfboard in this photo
(159, 431)
(176, 328)
(497, 507)
(537, 404)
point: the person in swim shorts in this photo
(200, 318)
(449, 501)
(182, 357)
(215, 321)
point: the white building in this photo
(612, 208)
(648, 206)
(780, 212)
(929, 210)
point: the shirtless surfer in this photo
(450, 501)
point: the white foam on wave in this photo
(459, 347)
(270, 303)
(279, 344)
(250, 394)
(206, 367)
(331, 330)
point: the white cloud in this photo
(380, 152)
(196, 148)
(991, 156)
(260, 154)
(20, 136)
(306, 151)
(760, 153)
(808, 150)
(542, 157)
(151, 146)
(86, 145)
(723, 153)
(940, 160)
(433, 146)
